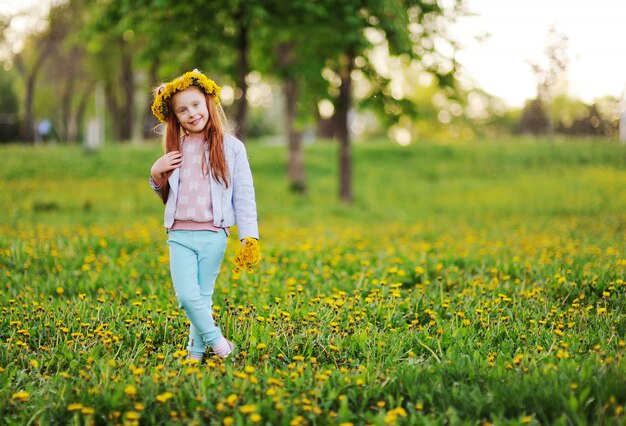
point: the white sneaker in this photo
(226, 353)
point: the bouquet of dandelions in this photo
(249, 255)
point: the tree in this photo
(410, 30)
(9, 124)
(551, 74)
(285, 48)
(29, 62)
(598, 119)
(295, 162)
(534, 118)
(66, 72)
(212, 35)
(114, 45)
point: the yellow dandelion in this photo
(249, 255)
(75, 406)
(130, 390)
(137, 371)
(247, 409)
(21, 396)
(400, 412)
(391, 418)
(232, 399)
(164, 397)
(132, 415)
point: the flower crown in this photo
(167, 90)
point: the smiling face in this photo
(191, 110)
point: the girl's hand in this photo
(170, 161)
(243, 242)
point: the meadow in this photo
(467, 284)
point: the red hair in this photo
(214, 136)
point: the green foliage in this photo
(572, 117)
(467, 284)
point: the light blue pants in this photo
(195, 259)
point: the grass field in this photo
(471, 284)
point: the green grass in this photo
(466, 284)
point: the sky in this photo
(517, 31)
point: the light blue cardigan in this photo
(235, 205)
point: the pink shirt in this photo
(194, 209)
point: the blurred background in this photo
(300, 71)
(403, 70)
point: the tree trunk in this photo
(325, 128)
(28, 129)
(128, 87)
(112, 105)
(295, 161)
(77, 120)
(295, 168)
(550, 123)
(28, 125)
(343, 107)
(243, 68)
(66, 108)
(148, 119)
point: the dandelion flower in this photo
(249, 255)
(247, 409)
(75, 406)
(21, 396)
(133, 415)
(232, 399)
(164, 397)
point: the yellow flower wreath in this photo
(167, 90)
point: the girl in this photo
(205, 182)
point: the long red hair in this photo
(213, 134)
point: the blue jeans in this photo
(195, 259)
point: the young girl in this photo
(204, 179)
